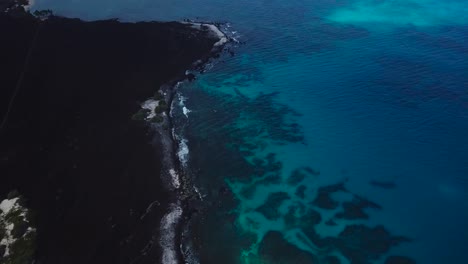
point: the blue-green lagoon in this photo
(336, 132)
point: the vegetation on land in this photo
(141, 114)
(17, 232)
(43, 14)
(22, 251)
(157, 119)
(158, 96)
(159, 109)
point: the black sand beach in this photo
(69, 145)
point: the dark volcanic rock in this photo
(330, 222)
(300, 191)
(270, 208)
(191, 76)
(69, 143)
(355, 209)
(312, 171)
(307, 221)
(361, 244)
(324, 200)
(332, 260)
(269, 179)
(14, 7)
(383, 184)
(275, 249)
(2, 251)
(296, 177)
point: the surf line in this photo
(174, 173)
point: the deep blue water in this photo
(371, 94)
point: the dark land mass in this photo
(69, 144)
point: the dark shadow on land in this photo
(70, 146)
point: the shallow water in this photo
(324, 92)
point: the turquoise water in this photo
(321, 93)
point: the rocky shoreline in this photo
(157, 111)
(17, 233)
(174, 175)
(69, 143)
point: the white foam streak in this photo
(215, 30)
(186, 111)
(200, 196)
(175, 178)
(168, 234)
(150, 105)
(183, 152)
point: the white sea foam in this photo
(182, 99)
(215, 30)
(174, 136)
(182, 147)
(6, 205)
(10, 227)
(29, 5)
(198, 193)
(183, 152)
(190, 256)
(168, 234)
(185, 110)
(222, 38)
(175, 178)
(209, 66)
(150, 104)
(230, 34)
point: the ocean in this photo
(335, 131)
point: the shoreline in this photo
(92, 176)
(176, 218)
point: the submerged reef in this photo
(354, 209)
(298, 175)
(383, 184)
(399, 260)
(275, 249)
(270, 208)
(279, 214)
(361, 244)
(324, 199)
